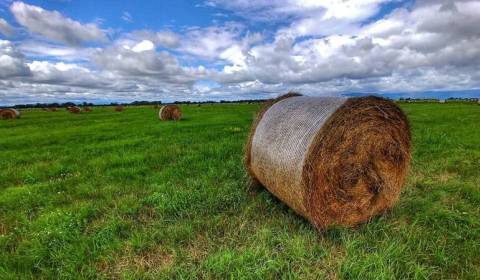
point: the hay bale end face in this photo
(335, 161)
(119, 108)
(170, 112)
(74, 110)
(9, 113)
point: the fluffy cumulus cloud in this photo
(426, 41)
(53, 25)
(12, 62)
(318, 47)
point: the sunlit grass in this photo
(124, 195)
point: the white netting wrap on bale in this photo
(287, 129)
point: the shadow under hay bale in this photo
(335, 161)
(170, 112)
(9, 114)
(74, 109)
(119, 108)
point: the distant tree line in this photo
(134, 103)
(451, 99)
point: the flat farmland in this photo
(124, 195)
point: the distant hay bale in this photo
(87, 109)
(9, 113)
(54, 109)
(119, 108)
(334, 161)
(170, 112)
(74, 110)
(45, 109)
(442, 101)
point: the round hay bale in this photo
(74, 110)
(119, 108)
(334, 161)
(9, 113)
(170, 112)
(87, 109)
(54, 109)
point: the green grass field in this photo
(123, 195)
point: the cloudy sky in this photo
(103, 51)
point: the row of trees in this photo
(134, 103)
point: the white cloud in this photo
(5, 28)
(210, 42)
(433, 38)
(144, 45)
(126, 16)
(44, 50)
(322, 47)
(54, 26)
(165, 39)
(12, 62)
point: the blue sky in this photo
(104, 51)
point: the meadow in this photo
(124, 195)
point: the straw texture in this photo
(334, 161)
(9, 113)
(170, 112)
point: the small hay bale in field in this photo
(87, 109)
(441, 101)
(74, 110)
(45, 109)
(335, 161)
(119, 108)
(9, 113)
(54, 109)
(170, 112)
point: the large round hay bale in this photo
(9, 113)
(170, 112)
(335, 161)
(74, 110)
(119, 108)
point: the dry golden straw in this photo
(9, 113)
(335, 161)
(74, 109)
(170, 112)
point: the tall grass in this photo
(125, 195)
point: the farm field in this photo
(124, 195)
